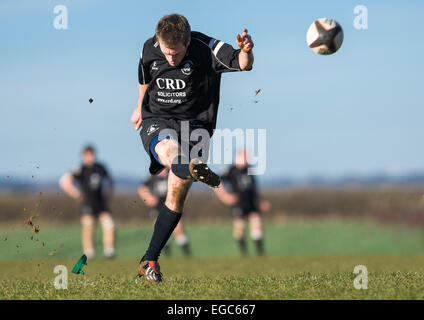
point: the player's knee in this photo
(238, 234)
(255, 227)
(166, 150)
(107, 223)
(181, 239)
(238, 230)
(87, 221)
(256, 234)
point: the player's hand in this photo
(136, 118)
(78, 196)
(232, 199)
(244, 41)
(265, 205)
(151, 201)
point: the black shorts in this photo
(93, 209)
(152, 131)
(243, 211)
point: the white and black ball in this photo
(324, 36)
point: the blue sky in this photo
(359, 111)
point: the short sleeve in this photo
(225, 57)
(77, 173)
(225, 176)
(147, 183)
(226, 181)
(105, 172)
(144, 76)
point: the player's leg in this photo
(88, 224)
(108, 228)
(165, 151)
(169, 215)
(256, 231)
(181, 239)
(168, 218)
(238, 233)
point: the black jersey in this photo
(189, 91)
(94, 181)
(157, 186)
(237, 181)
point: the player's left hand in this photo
(265, 205)
(244, 41)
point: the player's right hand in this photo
(136, 118)
(78, 196)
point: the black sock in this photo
(242, 245)
(186, 249)
(165, 224)
(180, 167)
(259, 247)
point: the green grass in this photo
(304, 261)
(390, 277)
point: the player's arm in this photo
(110, 185)
(66, 182)
(136, 115)
(264, 205)
(144, 78)
(149, 199)
(225, 196)
(245, 43)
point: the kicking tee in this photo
(189, 91)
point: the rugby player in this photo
(93, 192)
(153, 193)
(240, 190)
(179, 80)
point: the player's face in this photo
(88, 158)
(175, 55)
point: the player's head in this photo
(173, 34)
(241, 158)
(88, 155)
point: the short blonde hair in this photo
(173, 29)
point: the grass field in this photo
(305, 261)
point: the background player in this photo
(153, 193)
(179, 80)
(95, 187)
(240, 190)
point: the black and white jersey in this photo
(93, 181)
(237, 181)
(158, 186)
(189, 91)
